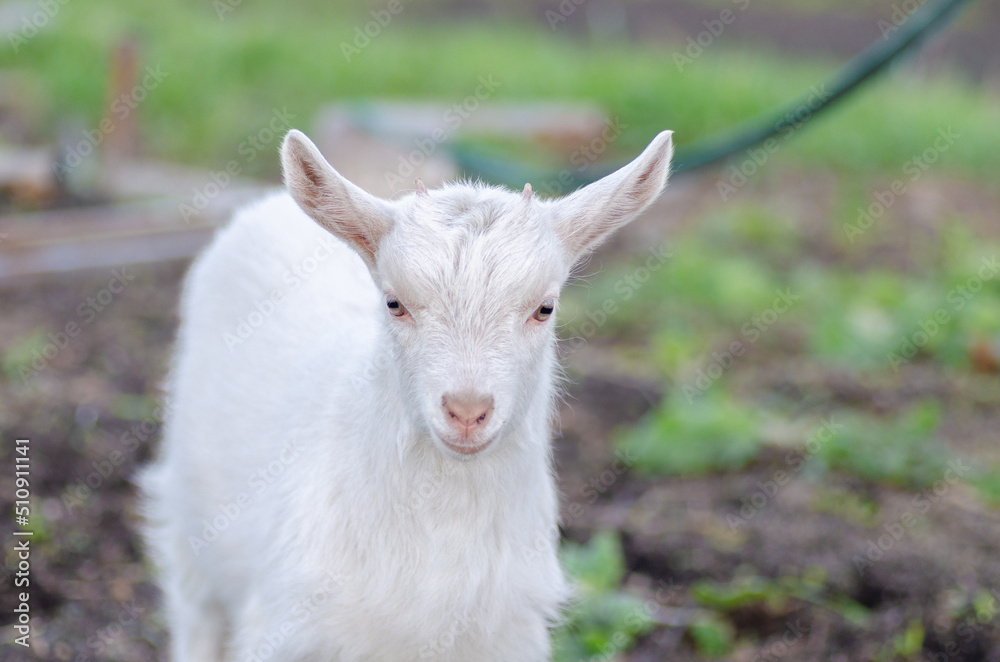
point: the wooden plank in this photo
(26, 175)
(93, 237)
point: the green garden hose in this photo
(710, 151)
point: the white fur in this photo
(305, 505)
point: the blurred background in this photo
(780, 439)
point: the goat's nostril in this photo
(467, 410)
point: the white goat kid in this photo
(356, 464)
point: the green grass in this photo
(745, 277)
(603, 621)
(226, 76)
(987, 484)
(903, 450)
(774, 595)
(714, 310)
(708, 434)
(718, 432)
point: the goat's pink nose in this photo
(467, 411)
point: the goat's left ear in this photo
(585, 218)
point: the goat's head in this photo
(471, 277)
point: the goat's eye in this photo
(395, 307)
(545, 310)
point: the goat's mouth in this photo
(467, 447)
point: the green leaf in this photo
(712, 432)
(713, 635)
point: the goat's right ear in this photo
(357, 217)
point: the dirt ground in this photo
(89, 407)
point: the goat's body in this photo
(356, 461)
(290, 522)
